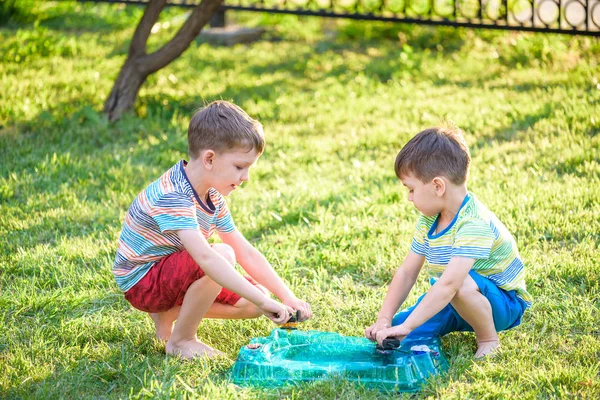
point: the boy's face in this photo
(424, 196)
(231, 169)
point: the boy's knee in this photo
(248, 309)
(254, 311)
(468, 288)
(226, 251)
(208, 282)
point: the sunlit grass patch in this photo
(338, 100)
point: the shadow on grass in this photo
(52, 230)
(105, 352)
(381, 67)
(166, 106)
(90, 17)
(508, 133)
(127, 368)
(88, 140)
(576, 166)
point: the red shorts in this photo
(165, 285)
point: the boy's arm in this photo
(438, 297)
(257, 266)
(217, 268)
(403, 281)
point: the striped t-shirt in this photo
(153, 219)
(476, 233)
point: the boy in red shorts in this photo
(164, 263)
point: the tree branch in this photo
(181, 41)
(144, 28)
(139, 65)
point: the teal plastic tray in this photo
(289, 357)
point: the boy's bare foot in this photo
(191, 349)
(164, 327)
(487, 348)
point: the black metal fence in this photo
(580, 17)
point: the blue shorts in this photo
(507, 310)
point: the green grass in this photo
(338, 99)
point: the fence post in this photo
(218, 19)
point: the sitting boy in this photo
(164, 263)
(481, 286)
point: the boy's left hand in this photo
(297, 304)
(399, 332)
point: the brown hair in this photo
(439, 151)
(222, 126)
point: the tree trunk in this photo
(140, 65)
(125, 90)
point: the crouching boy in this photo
(164, 263)
(478, 280)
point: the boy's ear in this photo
(208, 158)
(439, 185)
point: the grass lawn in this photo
(338, 99)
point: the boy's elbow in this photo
(204, 257)
(450, 285)
(406, 274)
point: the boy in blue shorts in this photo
(164, 263)
(478, 280)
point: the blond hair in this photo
(222, 126)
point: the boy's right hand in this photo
(276, 311)
(379, 325)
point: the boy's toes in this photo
(164, 333)
(487, 348)
(217, 353)
(192, 349)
